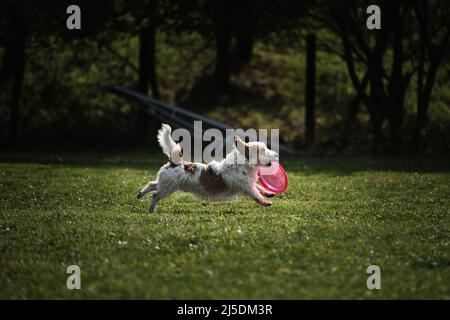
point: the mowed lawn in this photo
(338, 216)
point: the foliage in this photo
(62, 100)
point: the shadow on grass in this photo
(340, 166)
(336, 166)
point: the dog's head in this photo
(255, 153)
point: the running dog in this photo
(233, 176)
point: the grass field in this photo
(337, 217)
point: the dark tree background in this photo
(310, 68)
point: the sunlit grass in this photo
(337, 217)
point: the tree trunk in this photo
(18, 69)
(152, 50)
(374, 75)
(419, 122)
(144, 67)
(397, 84)
(421, 114)
(222, 69)
(223, 40)
(376, 101)
(147, 75)
(310, 116)
(376, 121)
(395, 131)
(5, 67)
(354, 106)
(396, 114)
(424, 92)
(244, 36)
(426, 78)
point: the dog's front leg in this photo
(151, 186)
(256, 194)
(264, 192)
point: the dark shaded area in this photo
(333, 166)
(310, 114)
(381, 91)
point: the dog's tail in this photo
(170, 148)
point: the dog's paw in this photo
(139, 195)
(270, 194)
(267, 203)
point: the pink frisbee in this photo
(273, 178)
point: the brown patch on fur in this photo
(190, 167)
(212, 182)
(170, 164)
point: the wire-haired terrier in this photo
(235, 175)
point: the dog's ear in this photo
(238, 142)
(242, 146)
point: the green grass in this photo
(337, 217)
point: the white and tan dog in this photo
(235, 175)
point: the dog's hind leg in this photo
(151, 186)
(156, 197)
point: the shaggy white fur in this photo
(235, 175)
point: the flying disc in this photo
(273, 178)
